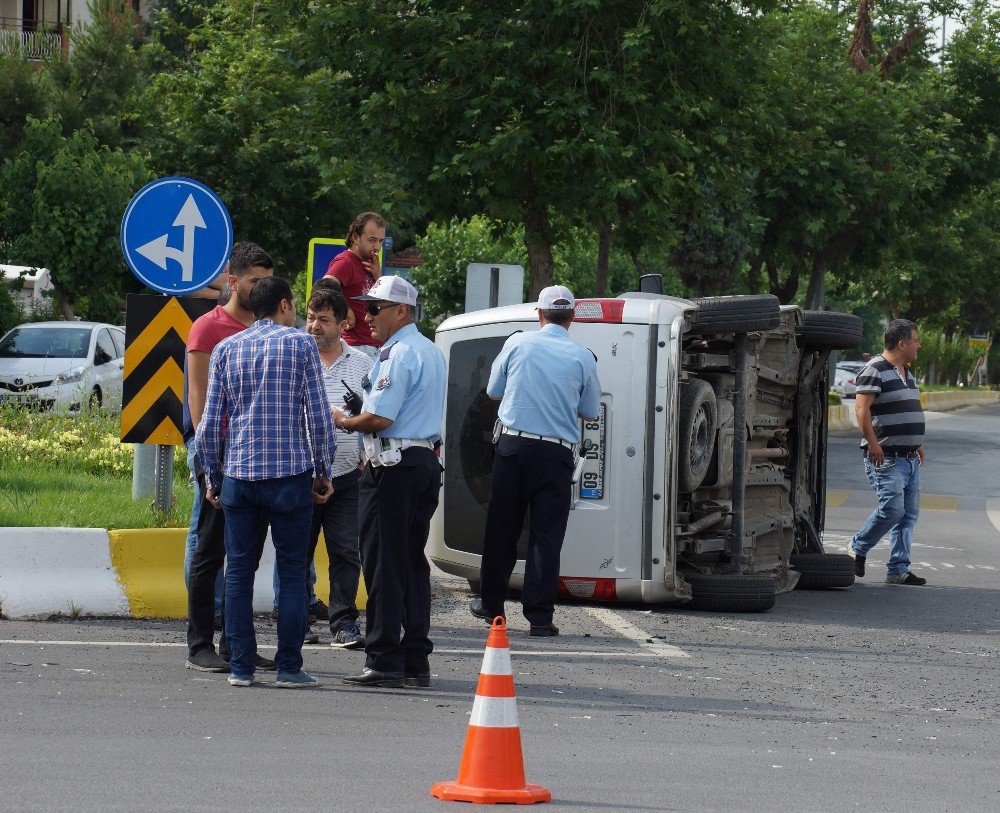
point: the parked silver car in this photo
(846, 372)
(63, 366)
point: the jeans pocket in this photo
(886, 465)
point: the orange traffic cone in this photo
(492, 768)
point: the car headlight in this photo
(70, 376)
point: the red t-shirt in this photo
(356, 281)
(206, 332)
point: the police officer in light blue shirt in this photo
(401, 420)
(545, 383)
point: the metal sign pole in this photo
(164, 478)
(143, 471)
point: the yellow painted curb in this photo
(149, 563)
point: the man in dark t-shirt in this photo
(357, 269)
(891, 419)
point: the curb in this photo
(841, 417)
(127, 573)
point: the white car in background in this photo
(843, 381)
(64, 366)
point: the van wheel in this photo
(830, 330)
(736, 314)
(95, 399)
(731, 593)
(818, 571)
(697, 433)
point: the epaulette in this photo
(384, 355)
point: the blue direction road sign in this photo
(176, 235)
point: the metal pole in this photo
(143, 471)
(739, 452)
(164, 478)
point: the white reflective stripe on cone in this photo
(496, 661)
(494, 712)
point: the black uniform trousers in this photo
(533, 474)
(207, 561)
(395, 507)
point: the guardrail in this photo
(30, 39)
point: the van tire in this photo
(736, 314)
(696, 442)
(731, 593)
(830, 330)
(819, 571)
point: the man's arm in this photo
(208, 436)
(197, 368)
(863, 410)
(320, 426)
(365, 422)
(211, 291)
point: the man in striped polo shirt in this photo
(891, 419)
(342, 366)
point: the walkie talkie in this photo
(352, 400)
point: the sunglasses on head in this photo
(373, 310)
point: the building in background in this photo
(38, 29)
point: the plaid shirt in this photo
(267, 381)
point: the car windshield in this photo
(41, 342)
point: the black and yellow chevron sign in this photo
(156, 334)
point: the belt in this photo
(532, 436)
(907, 455)
(391, 445)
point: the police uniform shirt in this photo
(407, 386)
(546, 380)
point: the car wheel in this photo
(731, 593)
(95, 399)
(696, 442)
(830, 330)
(819, 571)
(736, 314)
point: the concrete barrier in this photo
(841, 418)
(91, 571)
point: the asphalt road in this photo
(875, 697)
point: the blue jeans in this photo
(897, 484)
(285, 502)
(310, 585)
(192, 537)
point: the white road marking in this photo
(993, 512)
(928, 565)
(971, 567)
(946, 564)
(628, 630)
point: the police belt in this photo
(374, 445)
(532, 436)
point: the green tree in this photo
(21, 95)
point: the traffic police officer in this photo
(401, 421)
(545, 382)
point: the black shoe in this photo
(544, 630)
(217, 623)
(207, 660)
(479, 611)
(906, 578)
(319, 611)
(311, 637)
(418, 681)
(859, 563)
(371, 677)
(265, 664)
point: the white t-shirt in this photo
(351, 366)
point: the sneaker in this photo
(319, 610)
(295, 680)
(348, 637)
(236, 680)
(859, 561)
(906, 578)
(264, 664)
(311, 638)
(207, 660)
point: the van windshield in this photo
(45, 342)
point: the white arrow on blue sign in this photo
(176, 235)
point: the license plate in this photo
(592, 477)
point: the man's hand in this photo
(338, 419)
(920, 455)
(213, 497)
(875, 454)
(322, 490)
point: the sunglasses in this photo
(374, 310)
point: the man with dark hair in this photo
(357, 270)
(342, 367)
(205, 550)
(401, 421)
(891, 420)
(274, 465)
(545, 383)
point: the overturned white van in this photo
(660, 513)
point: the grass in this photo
(57, 471)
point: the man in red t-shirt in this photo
(206, 552)
(357, 270)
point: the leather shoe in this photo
(544, 630)
(372, 677)
(479, 611)
(421, 681)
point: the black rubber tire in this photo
(736, 314)
(731, 593)
(819, 571)
(696, 435)
(830, 330)
(95, 399)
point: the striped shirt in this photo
(267, 380)
(352, 365)
(897, 415)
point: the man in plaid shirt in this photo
(267, 383)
